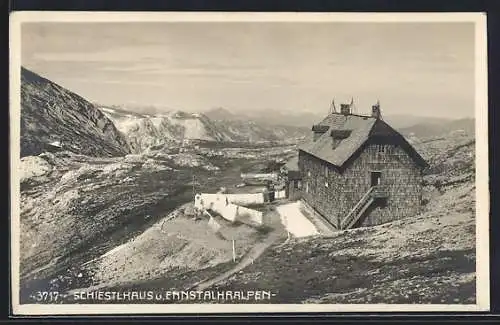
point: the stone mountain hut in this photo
(357, 171)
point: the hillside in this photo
(50, 113)
(428, 258)
(148, 130)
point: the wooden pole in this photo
(194, 189)
(234, 253)
(286, 226)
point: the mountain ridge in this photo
(51, 113)
(146, 130)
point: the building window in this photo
(381, 149)
(375, 178)
(307, 187)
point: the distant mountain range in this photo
(404, 122)
(266, 117)
(434, 128)
(52, 115)
(419, 126)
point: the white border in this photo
(482, 179)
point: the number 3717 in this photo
(46, 296)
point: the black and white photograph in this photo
(248, 162)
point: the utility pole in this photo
(194, 183)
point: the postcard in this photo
(233, 162)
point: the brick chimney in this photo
(345, 109)
(376, 111)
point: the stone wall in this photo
(333, 193)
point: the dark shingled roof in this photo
(338, 151)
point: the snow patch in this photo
(133, 158)
(155, 165)
(296, 222)
(107, 110)
(55, 143)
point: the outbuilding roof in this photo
(292, 164)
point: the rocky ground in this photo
(107, 223)
(75, 208)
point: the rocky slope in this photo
(50, 113)
(144, 131)
(75, 208)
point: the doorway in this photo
(375, 178)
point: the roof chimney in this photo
(376, 111)
(345, 109)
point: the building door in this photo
(375, 178)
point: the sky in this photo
(424, 69)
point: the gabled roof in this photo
(292, 164)
(359, 129)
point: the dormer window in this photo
(319, 130)
(340, 134)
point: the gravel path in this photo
(248, 259)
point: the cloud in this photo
(256, 64)
(112, 54)
(129, 82)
